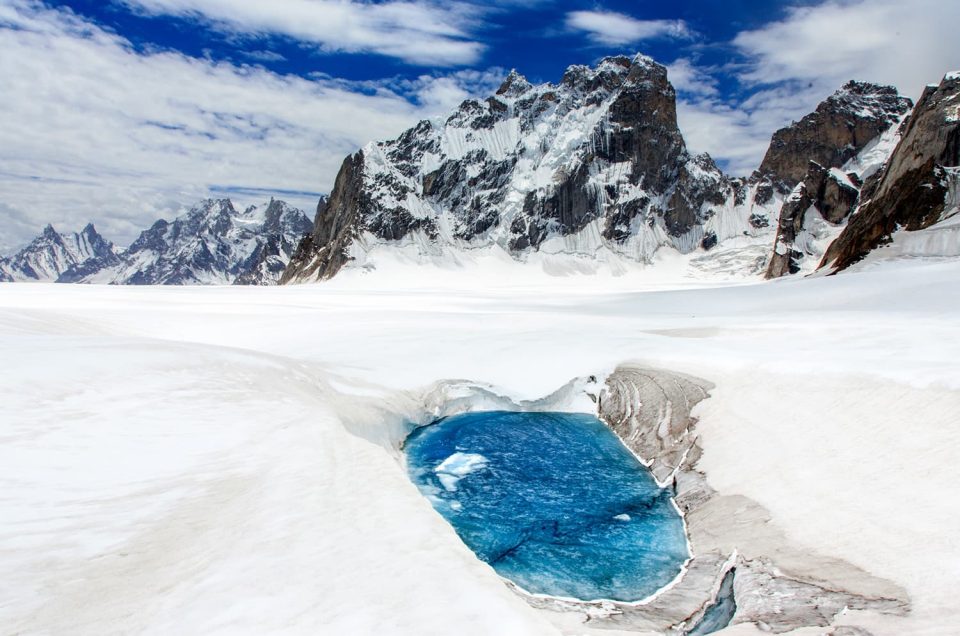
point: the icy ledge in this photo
(777, 585)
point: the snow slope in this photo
(222, 459)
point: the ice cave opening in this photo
(553, 501)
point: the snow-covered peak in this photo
(209, 243)
(592, 166)
(865, 100)
(213, 243)
(52, 253)
(836, 132)
(515, 84)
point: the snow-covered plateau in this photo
(225, 460)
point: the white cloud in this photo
(737, 134)
(906, 44)
(92, 130)
(613, 29)
(794, 63)
(414, 31)
(688, 78)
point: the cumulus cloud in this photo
(90, 129)
(415, 31)
(906, 44)
(686, 77)
(615, 29)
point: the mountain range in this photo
(591, 170)
(595, 168)
(212, 243)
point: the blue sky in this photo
(124, 111)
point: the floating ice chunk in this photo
(622, 517)
(454, 468)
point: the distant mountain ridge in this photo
(52, 253)
(212, 243)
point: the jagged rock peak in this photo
(834, 133)
(914, 188)
(52, 253)
(515, 84)
(210, 243)
(213, 243)
(592, 164)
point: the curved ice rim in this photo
(570, 599)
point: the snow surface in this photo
(223, 460)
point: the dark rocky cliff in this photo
(528, 164)
(833, 134)
(910, 193)
(807, 156)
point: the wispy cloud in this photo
(615, 29)
(415, 31)
(264, 56)
(91, 129)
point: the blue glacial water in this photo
(553, 501)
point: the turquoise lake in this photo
(553, 501)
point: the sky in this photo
(121, 112)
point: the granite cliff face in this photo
(842, 144)
(840, 127)
(917, 188)
(213, 243)
(593, 166)
(839, 146)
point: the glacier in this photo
(227, 460)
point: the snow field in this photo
(223, 460)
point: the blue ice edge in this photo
(554, 502)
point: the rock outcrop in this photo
(592, 165)
(840, 127)
(863, 118)
(823, 198)
(911, 192)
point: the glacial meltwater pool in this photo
(553, 501)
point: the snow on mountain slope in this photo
(224, 460)
(52, 253)
(594, 166)
(213, 243)
(593, 170)
(916, 189)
